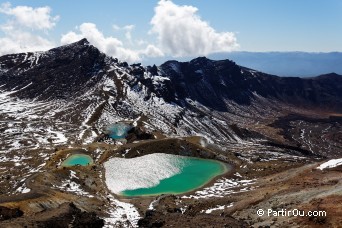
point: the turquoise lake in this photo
(157, 174)
(78, 159)
(118, 130)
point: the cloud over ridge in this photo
(25, 28)
(109, 45)
(181, 32)
(176, 31)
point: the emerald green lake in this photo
(157, 174)
(78, 159)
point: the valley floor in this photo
(271, 182)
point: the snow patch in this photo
(121, 213)
(141, 172)
(223, 187)
(218, 207)
(330, 164)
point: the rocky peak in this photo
(62, 72)
(200, 61)
(80, 48)
(84, 41)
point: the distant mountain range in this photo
(300, 64)
(293, 64)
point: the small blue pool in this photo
(118, 130)
(78, 159)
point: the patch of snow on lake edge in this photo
(141, 172)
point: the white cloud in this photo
(116, 27)
(141, 42)
(152, 51)
(17, 29)
(71, 37)
(128, 34)
(33, 18)
(129, 27)
(109, 45)
(181, 32)
(128, 31)
(17, 41)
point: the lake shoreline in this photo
(227, 172)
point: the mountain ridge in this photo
(90, 90)
(79, 56)
(302, 64)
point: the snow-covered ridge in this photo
(113, 91)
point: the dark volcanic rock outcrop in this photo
(212, 83)
(66, 215)
(136, 133)
(8, 213)
(62, 72)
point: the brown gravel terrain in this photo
(285, 183)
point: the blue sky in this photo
(124, 28)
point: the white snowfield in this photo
(148, 171)
(120, 214)
(330, 164)
(29, 121)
